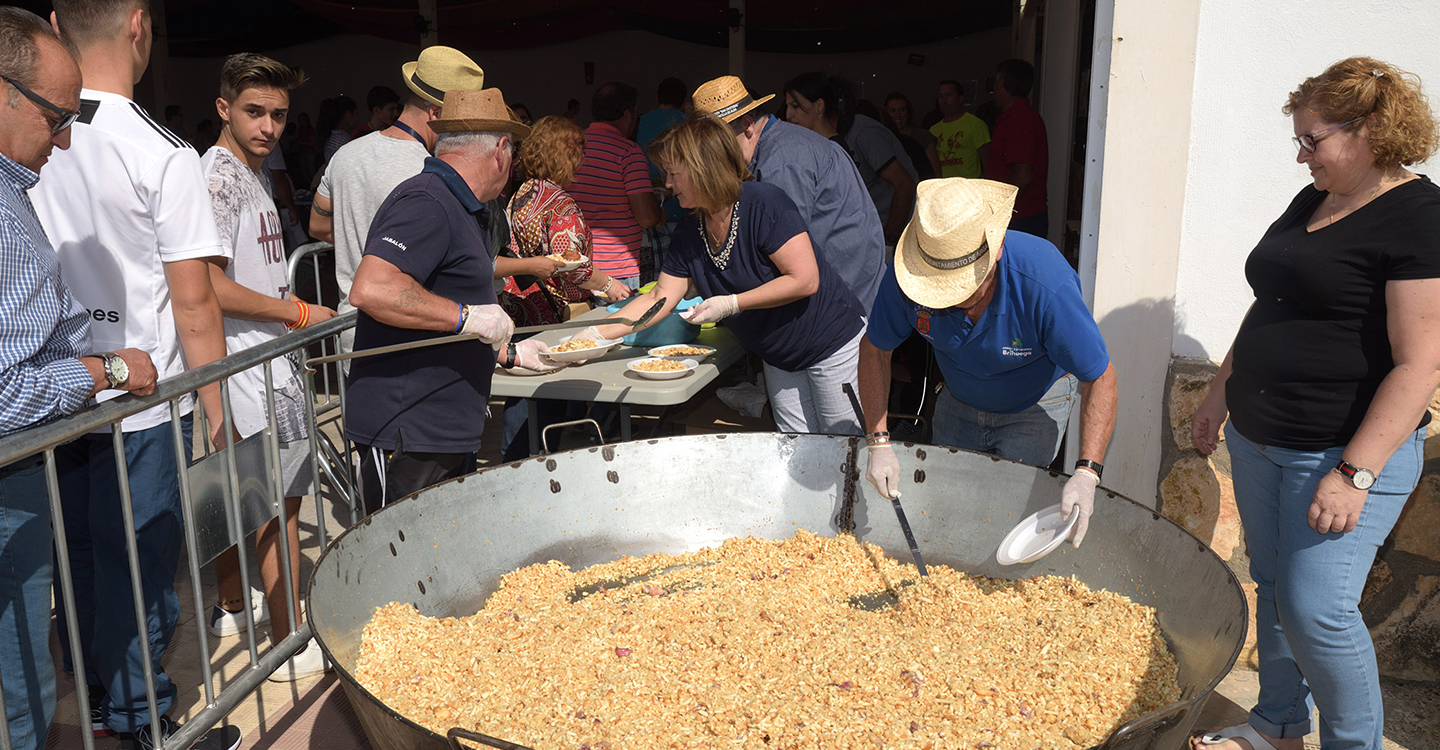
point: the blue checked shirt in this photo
(43, 328)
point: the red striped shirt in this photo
(613, 168)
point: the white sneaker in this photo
(308, 663)
(223, 623)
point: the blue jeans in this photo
(1029, 436)
(95, 536)
(26, 545)
(1312, 644)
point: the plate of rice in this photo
(577, 350)
(682, 351)
(660, 368)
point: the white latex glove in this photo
(531, 355)
(882, 468)
(712, 310)
(591, 333)
(1079, 491)
(490, 323)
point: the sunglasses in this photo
(1307, 142)
(67, 118)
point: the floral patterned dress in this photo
(544, 220)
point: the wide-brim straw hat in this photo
(947, 249)
(478, 112)
(442, 69)
(726, 97)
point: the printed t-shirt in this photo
(126, 198)
(825, 186)
(359, 178)
(249, 225)
(874, 147)
(654, 123)
(1312, 351)
(958, 144)
(1019, 138)
(427, 400)
(613, 169)
(1035, 330)
(793, 336)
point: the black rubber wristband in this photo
(1094, 466)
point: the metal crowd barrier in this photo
(210, 489)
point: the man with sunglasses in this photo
(128, 211)
(45, 370)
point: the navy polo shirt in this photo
(1035, 330)
(795, 335)
(425, 400)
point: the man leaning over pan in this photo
(426, 273)
(1011, 332)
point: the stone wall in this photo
(1401, 602)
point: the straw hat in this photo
(948, 247)
(726, 98)
(442, 69)
(478, 112)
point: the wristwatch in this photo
(512, 356)
(116, 371)
(1362, 479)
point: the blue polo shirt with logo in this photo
(426, 400)
(1035, 330)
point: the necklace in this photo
(722, 258)
(1373, 193)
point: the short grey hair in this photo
(486, 142)
(20, 31)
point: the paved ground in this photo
(314, 714)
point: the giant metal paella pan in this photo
(444, 549)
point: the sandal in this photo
(1240, 731)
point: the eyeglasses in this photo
(67, 118)
(1307, 142)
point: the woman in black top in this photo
(1326, 387)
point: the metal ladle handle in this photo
(894, 501)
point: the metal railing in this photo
(203, 541)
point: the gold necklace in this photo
(1366, 202)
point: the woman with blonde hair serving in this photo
(1326, 387)
(544, 220)
(746, 250)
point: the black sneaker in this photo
(220, 738)
(97, 712)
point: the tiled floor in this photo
(314, 714)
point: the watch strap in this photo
(512, 356)
(107, 359)
(1094, 466)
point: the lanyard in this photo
(412, 133)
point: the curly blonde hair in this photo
(1402, 128)
(553, 150)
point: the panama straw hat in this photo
(949, 245)
(442, 69)
(478, 112)
(726, 98)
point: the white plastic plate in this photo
(659, 351)
(601, 346)
(690, 366)
(1035, 537)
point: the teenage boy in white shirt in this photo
(126, 209)
(254, 291)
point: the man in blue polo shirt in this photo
(1011, 333)
(426, 272)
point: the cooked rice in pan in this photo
(756, 644)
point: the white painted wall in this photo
(1242, 170)
(544, 78)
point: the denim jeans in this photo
(814, 399)
(26, 570)
(95, 536)
(1313, 646)
(1030, 436)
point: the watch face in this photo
(1363, 479)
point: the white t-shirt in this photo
(361, 176)
(248, 223)
(126, 198)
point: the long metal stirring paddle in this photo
(894, 501)
(422, 343)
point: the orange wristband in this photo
(303, 318)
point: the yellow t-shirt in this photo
(958, 143)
